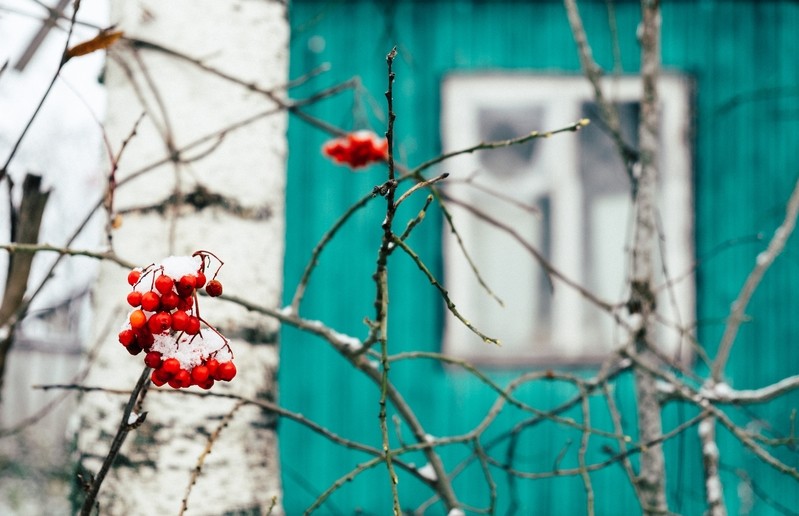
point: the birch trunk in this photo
(233, 207)
(652, 475)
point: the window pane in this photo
(566, 197)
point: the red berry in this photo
(192, 325)
(179, 320)
(160, 322)
(181, 379)
(199, 374)
(134, 298)
(150, 301)
(186, 284)
(152, 325)
(170, 366)
(137, 319)
(164, 283)
(207, 384)
(226, 371)
(165, 320)
(145, 337)
(133, 277)
(200, 280)
(169, 301)
(188, 280)
(185, 303)
(212, 364)
(133, 349)
(357, 149)
(184, 377)
(156, 379)
(336, 149)
(162, 375)
(360, 150)
(127, 337)
(153, 359)
(214, 288)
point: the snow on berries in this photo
(166, 325)
(357, 149)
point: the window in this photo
(568, 197)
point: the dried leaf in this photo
(101, 41)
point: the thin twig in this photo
(506, 393)
(482, 458)
(64, 59)
(444, 293)
(419, 185)
(762, 264)
(586, 477)
(571, 128)
(66, 251)
(262, 404)
(615, 417)
(302, 284)
(551, 270)
(497, 194)
(125, 426)
(597, 466)
(708, 408)
(592, 72)
(212, 438)
(417, 219)
(381, 281)
(462, 247)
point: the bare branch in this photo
(652, 474)
(593, 73)
(195, 474)
(576, 126)
(586, 477)
(444, 293)
(417, 186)
(723, 393)
(15, 148)
(550, 269)
(130, 420)
(762, 264)
(417, 219)
(714, 493)
(381, 281)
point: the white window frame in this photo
(571, 331)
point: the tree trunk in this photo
(652, 475)
(225, 196)
(24, 230)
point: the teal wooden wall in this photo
(743, 59)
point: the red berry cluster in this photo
(357, 149)
(166, 323)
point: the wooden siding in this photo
(743, 60)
